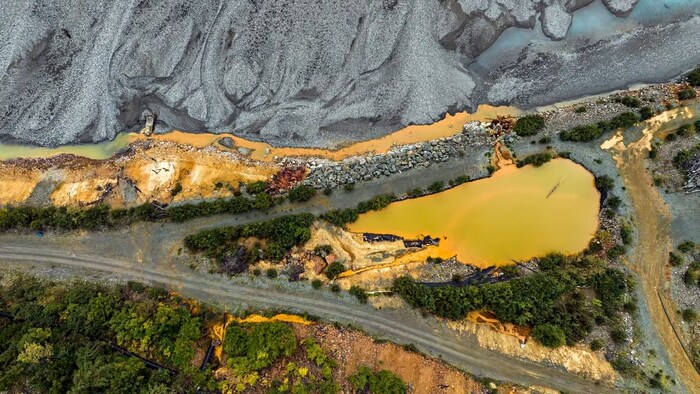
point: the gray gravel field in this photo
(303, 73)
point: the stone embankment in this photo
(325, 173)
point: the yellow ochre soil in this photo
(577, 359)
(146, 171)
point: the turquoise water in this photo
(591, 22)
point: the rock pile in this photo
(326, 173)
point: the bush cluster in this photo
(553, 300)
(528, 125)
(628, 101)
(694, 77)
(301, 193)
(536, 159)
(341, 217)
(590, 132)
(280, 235)
(60, 339)
(382, 382)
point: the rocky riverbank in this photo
(325, 173)
(477, 137)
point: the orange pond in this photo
(450, 125)
(516, 214)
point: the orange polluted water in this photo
(516, 214)
(450, 125)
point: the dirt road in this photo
(649, 259)
(399, 326)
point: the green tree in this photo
(265, 343)
(301, 193)
(382, 382)
(528, 125)
(687, 94)
(334, 269)
(694, 77)
(549, 335)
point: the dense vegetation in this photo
(60, 339)
(341, 217)
(536, 159)
(590, 132)
(102, 216)
(629, 101)
(528, 125)
(382, 382)
(275, 238)
(687, 94)
(694, 77)
(301, 193)
(564, 300)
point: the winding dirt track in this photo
(653, 221)
(427, 335)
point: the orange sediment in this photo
(448, 126)
(511, 216)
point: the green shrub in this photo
(632, 102)
(349, 187)
(528, 125)
(581, 109)
(616, 251)
(335, 288)
(686, 130)
(359, 293)
(334, 269)
(618, 334)
(674, 259)
(687, 94)
(536, 159)
(686, 246)
(624, 120)
(382, 382)
(604, 183)
(281, 234)
(646, 113)
(545, 140)
(327, 191)
(549, 335)
(259, 346)
(323, 250)
(692, 274)
(694, 77)
(256, 187)
(176, 189)
(316, 284)
(613, 202)
(271, 273)
(689, 315)
(417, 192)
(653, 152)
(596, 344)
(626, 233)
(301, 193)
(341, 217)
(436, 187)
(583, 133)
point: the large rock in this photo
(556, 21)
(620, 7)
